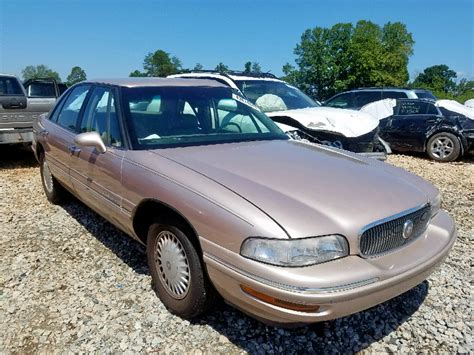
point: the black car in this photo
(419, 125)
(357, 98)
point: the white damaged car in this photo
(300, 116)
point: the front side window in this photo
(271, 96)
(181, 116)
(10, 87)
(341, 101)
(69, 113)
(100, 115)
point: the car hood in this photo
(307, 189)
(350, 123)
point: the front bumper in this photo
(340, 287)
(16, 135)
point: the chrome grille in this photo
(386, 235)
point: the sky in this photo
(110, 38)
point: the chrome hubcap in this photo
(47, 177)
(172, 264)
(442, 147)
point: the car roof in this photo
(382, 89)
(153, 82)
(8, 75)
(231, 74)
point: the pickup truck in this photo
(21, 103)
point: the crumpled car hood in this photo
(350, 123)
(309, 190)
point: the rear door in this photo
(97, 176)
(406, 129)
(59, 131)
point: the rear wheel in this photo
(52, 188)
(443, 147)
(177, 271)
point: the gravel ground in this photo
(71, 281)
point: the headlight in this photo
(295, 252)
(435, 204)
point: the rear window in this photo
(10, 87)
(38, 89)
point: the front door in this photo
(97, 176)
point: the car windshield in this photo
(161, 117)
(270, 95)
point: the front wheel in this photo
(443, 147)
(177, 272)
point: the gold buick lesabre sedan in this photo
(288, 232)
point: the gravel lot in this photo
(71, 281)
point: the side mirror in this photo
(90, 139)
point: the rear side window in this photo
(412, 108)
(10, 87)
(69, 114)
(432, 110)
(394, 95)
(341, 101)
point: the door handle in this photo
(44, 133)
(73, 149)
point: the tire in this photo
(52, 188)
(171, 254)
(443, 147)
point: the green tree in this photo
(39, 71)
(256, 68)
(252, 67)
(247, 67)
(345, 56)
(198, 66)
(77, 75)
(158, 63)
(438, 78)
(222, 68)
(137, 74)
(464, 90)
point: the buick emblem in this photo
(407, 229)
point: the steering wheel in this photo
(231, 124)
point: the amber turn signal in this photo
(280, 303)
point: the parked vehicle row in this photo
(21, 103)
(356, 99)
(287, 231)
(443, 129)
